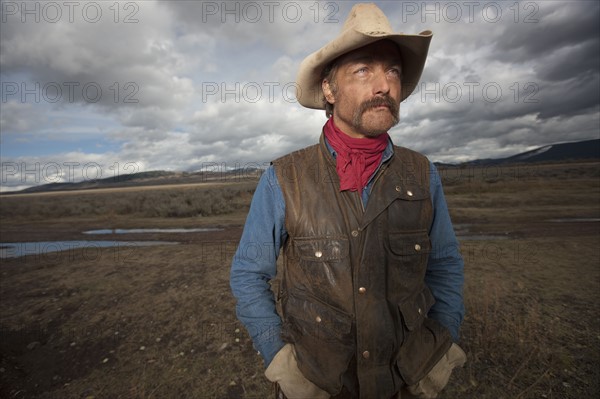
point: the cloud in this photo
(19, 117)
(107, 65)
(551, 25)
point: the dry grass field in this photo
(159, 321)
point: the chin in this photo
(374, 133)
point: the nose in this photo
(381, 85)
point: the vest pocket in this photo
(410, 244)
(407, 262)
(415, 309)
(425, 340)
(309, 316)
(320, 266)
(322, 336)
(325, 249)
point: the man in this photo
(370, 295)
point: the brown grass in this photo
(159, 322)
(180, 201)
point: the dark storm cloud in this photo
(547, 69)
(579, 60)
(118, 68)
(556, 24)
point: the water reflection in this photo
(17, 249)
(481, 237)
(574, 220)
(146, 231)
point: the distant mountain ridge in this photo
(561, 152)
(150, 178)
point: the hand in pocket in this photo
(436, 380)
(284, 370)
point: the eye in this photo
(361, 70)
(395, 71)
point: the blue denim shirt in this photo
(254, 263)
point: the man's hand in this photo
(436, 380)
(284, 370)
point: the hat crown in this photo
(367, 18)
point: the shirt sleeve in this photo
(254, 265)
(445, 270)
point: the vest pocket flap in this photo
(321, 250)
(410, 244)
(411, 192)
(314, 318)
(415, 309)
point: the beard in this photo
(374, 131)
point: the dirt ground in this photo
(159, 321)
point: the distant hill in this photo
(116, 181)
(151, 178)
(561, 152)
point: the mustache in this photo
(377, 102)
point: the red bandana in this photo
(357, 159)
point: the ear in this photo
(327, 91)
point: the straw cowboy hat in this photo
(365, 24)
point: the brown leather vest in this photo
(353, 279)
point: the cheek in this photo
(355, 97)
(396, 91)
(349, 106)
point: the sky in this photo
(96, 89)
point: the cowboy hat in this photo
(365, 24)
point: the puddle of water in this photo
(146, 231)
(481, 237)
(463, 233)
(574, 220)
(17, 249)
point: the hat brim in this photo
(413, 49)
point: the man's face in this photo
(366, 90)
